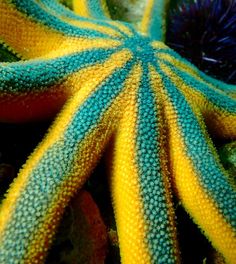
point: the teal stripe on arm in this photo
(55, 7)
(204, 159)
(157, 19)
(59, 165)
(96, 9)
(37, 75)
(228, 88)
(225, 87)
(154, 191)
(221, 100)
(33, 10)
(58, 9)
(158, 24)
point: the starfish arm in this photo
(39, 33)
(230, 89)
(201, 182)
(24, 36)
(59, 166)
(96, 9)
(153, 22)
(113, 28)
(41, 15)
(217, 106)
(37, 89)
(139, 180)
(58, 9)
(175, 59)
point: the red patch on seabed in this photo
(33, 106)
(82, 236)
(96, 229)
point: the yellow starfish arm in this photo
(218, 106)
(125, 188)
(154, 19)
(204, 211)
(48, 169)
(51, 82)
(114, 29)
(36, 36)
(220, 121)
(91, 8)
(200, 181)
(135, 173)
(71, 18)
(184, 65)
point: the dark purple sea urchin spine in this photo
(204, 32)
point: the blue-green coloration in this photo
(210, 174)
(45, 73)
(148, 157)
(205, 89)
(55, 23)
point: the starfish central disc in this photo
(141, 48)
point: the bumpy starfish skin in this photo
(116, 84)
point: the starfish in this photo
(117, 87)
